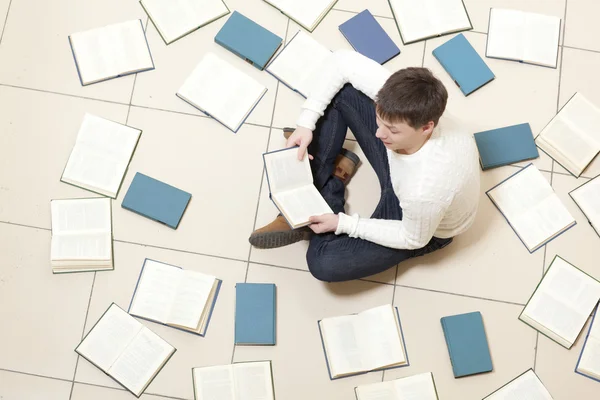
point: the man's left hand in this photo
(324, 223)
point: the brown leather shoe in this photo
(278, 234)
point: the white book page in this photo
(301, 204)
(222, 91)
(590, 356)
(286, 172)
(111, 51)
(109, 337)
(191, 299)
(93, 246)
(306, 12)
(214, 383)
(253, 381)
(156, 291)
(541, 39)
(296, 65)
(580, 112)
(564, 300)
(175, 18)
(505, 36)
(141, 361)
(343, 346)
(377, 391)
(379, 326)
(416, 387)
(588, 198)
(525, 387)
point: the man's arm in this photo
(341, 67)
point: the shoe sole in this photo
(272, 240)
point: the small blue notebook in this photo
(368, 37)
(463, 64)
(255, 308)
(156, 200)
(467, 344)
(503, 146)
(248, 40)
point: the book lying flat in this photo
(368, 341)
(255, 313)
(367, 37)
(421, 387)
(101, 155)
(587, 198)
(562, 302)
(504, 146)
(466, 68)
(248, 40)
(175, 19)
(572, 137)
(81, 235)
(291, 187)
(156, 200)
(523, 36)
(222, 91)
(175, 297)
(588, 363)
(531, 207)
(423, 19)
(110, 52)
(297, 63)
(125, 350)
(525, 386)
(467, 344)
(307, 13)
(239, 381)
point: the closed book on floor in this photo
(368, 38)
(587, 198)
(417, 387)
(467, 344)
(463, 64)
(248, 40)
(156, 200)
(306, 13)
(251, 380)
(255, 313)
(504, 146)
(588, 363)
(526, 386)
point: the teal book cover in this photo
(507, 145)
(255, 313)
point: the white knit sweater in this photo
(437, 187)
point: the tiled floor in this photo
(44, 316)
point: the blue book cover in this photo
(156, 200)
(255, 313)
(463, 64)
(467, 344)
(248, 40)
(507, 145)
(368, 37)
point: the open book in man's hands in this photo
(291, 187)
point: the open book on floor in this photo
(175, 297)
(531, 207)
(504, 146)
(255, 313)
(572, 137)
(523, 36)
(418, 387)
(587, 198)
(298, 61)
(110, 52)
(101, 155)
(561, 304)
(239, 381)
(222, 91)
(81, 235)
(423, 19)
(588, 363)
(175, 19)
(525, 386)
(306, 13)
(291, 187)
(359, 343)
(125, 350)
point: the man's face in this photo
(399, 135)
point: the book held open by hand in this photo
(525, 386)
(239, 381)
(587, 197)
(291, 187)
(125, 350)
(418, 387)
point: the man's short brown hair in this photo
(413, 96)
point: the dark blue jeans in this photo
(334, 258)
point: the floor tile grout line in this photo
(580, 48)
(5, 21)
(356, 12)
(537, 333)
(393, 298)
(36, 375)
(135, 78)
(62, 94)
(424, 50)
(460, 295)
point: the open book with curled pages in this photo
(587, 198)
(306, 13)
(525, 386)
(238, 381)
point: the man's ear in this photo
(428, 128)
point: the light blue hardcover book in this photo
(255, 313)
(507, 145)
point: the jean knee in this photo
(317, 265)
(346, 93)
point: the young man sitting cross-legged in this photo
(427, 168)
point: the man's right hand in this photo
(301, 138)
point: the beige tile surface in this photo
(512, 343)
(298, 356)
(42, 314)
(17, 386)
(582, 28)
(89, 392)
(192, 350)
